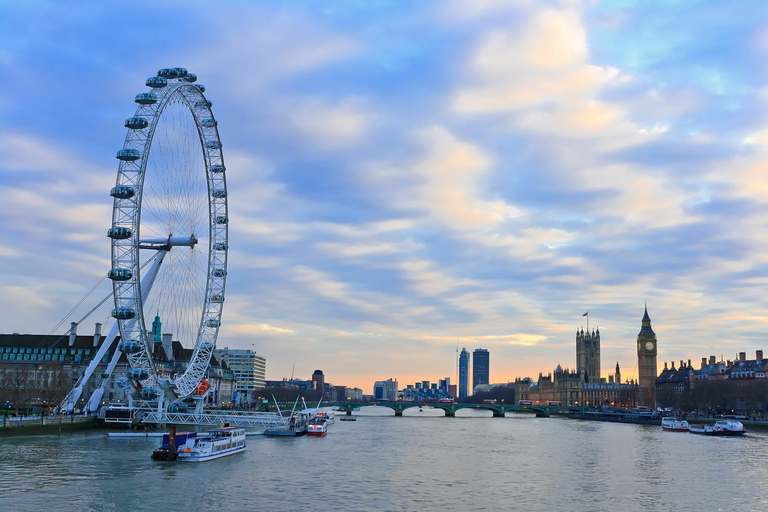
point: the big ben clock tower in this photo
(646, 362)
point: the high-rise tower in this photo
(480, 367)
(588, 355)
(463, 373)
(646, 362)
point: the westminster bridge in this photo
(499, 410)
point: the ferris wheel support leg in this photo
(95, 399)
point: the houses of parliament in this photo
(584, 386)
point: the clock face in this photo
(649, 346)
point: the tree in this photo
(17, 383)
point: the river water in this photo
(422, 461)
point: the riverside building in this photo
(39, 370)
(249, 370)
(584, 386)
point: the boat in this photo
(671, 424)
(295, 427)
(318, 426)
(640, 418)
(181, 441)
(214, 444)
(721, 428)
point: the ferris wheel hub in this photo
(165, 244)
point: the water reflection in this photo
(422, 461)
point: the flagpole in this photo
(587, 321)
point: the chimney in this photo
(72, 333)
(759, 355)
(728, 363)
(681, 364)
(742, 356)
(665, 365)
(703, 362)
(712, 360)
(168, 345)
(97, 335)
(673, 365)
(689, 363)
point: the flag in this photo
(586, 314)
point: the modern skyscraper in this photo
(318, 379)
(646, 362)
(463, 373)
(480, 367)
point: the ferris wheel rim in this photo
(171, 85)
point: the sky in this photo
(408, 176)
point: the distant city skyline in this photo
(403, 176)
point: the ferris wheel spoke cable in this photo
(41, 343)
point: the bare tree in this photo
(17, 383)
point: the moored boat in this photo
(318, 426)
(674, 425)
(180, 440)
(721, 428)
(295, 427)
(214, 444)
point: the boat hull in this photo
(617, 417)
(193, 457)
(717, 433)
(284, 433)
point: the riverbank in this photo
(36, 425)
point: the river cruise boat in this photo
(674, 425)
(721, 428)
(214, 444)
(318, 426)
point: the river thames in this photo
(422, 461)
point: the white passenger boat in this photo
(721, 428)
(214, 444)
(318, 426)
(674, 425)
(730, 427)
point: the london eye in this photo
(169, 233)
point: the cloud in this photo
(331, 126)
(452, 171)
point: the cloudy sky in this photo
(406, 175)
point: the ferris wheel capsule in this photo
(123, 313)
(146, 98)
(119, 233)
(128, 155)
(129, 347)
(156, 82)
(137, 374)
(136, 123)
(119, 274)
(122, 192)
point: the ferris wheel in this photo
(169, 233)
